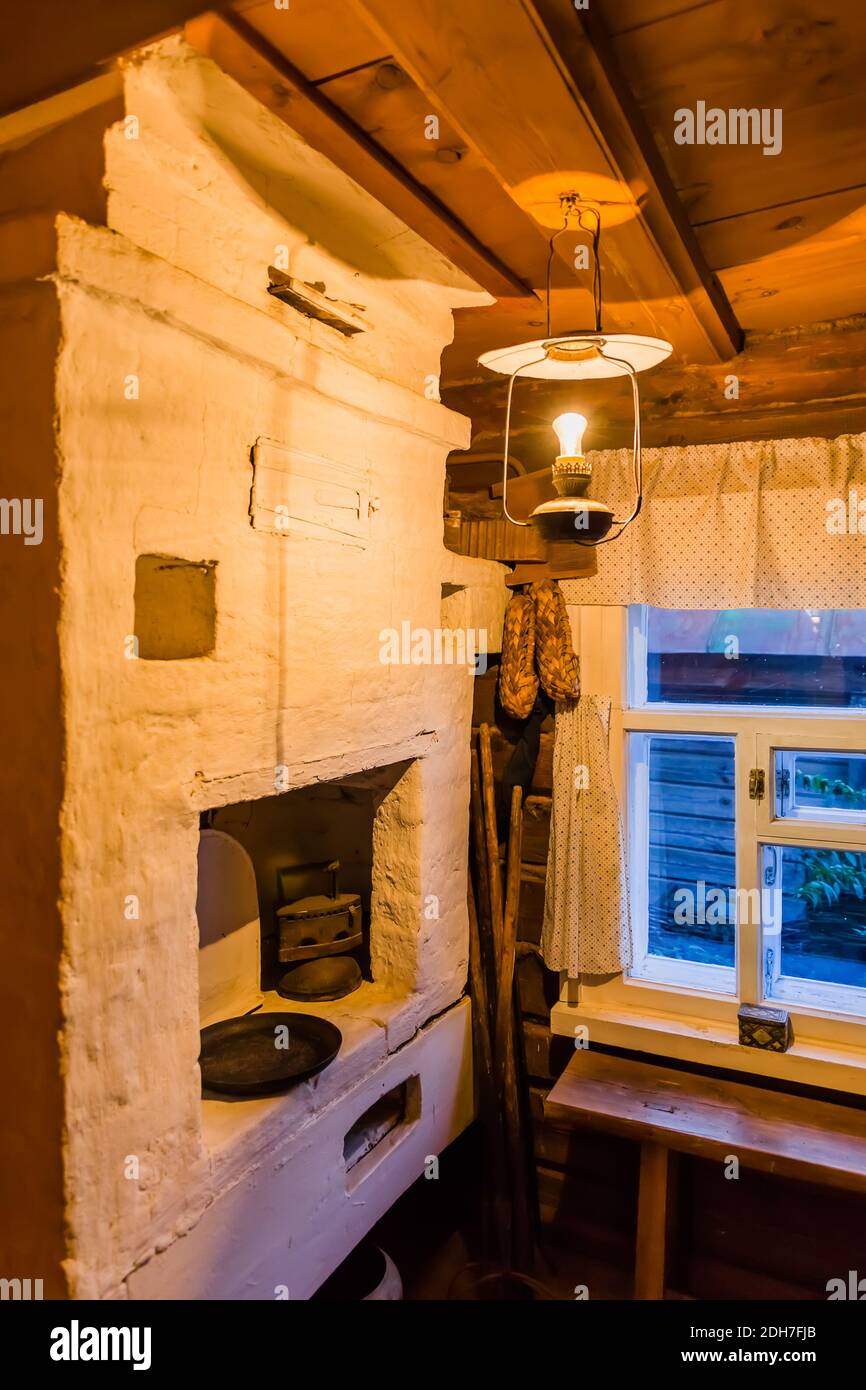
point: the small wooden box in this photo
(764, 1027)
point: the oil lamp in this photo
(578, 356)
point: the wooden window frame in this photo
(692, 1016)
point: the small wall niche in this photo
(175, 607)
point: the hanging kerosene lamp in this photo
(577, 356)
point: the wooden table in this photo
(670, 1112)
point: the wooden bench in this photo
(671, 1112)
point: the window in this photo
(738, 740)
(798, 892)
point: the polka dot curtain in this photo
(770, 524)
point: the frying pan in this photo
(263, 1053)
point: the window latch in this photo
(757, 784)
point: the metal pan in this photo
(263, 1053)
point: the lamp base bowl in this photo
(579, 519)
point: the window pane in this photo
(691, 848)
(817, 917)
(820, 786)
(756, 656)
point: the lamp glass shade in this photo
(532, 359)
(569, 429)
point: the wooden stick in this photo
(496, 1207)
(482, 878)
(480, 1011)
(509, 1214)
(494, 870)
(505, 1052)
(505, 984)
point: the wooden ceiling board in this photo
(620, 16)
(817, 277)
(765, 53)
(807, 64)
(397, 120)
(823, 151)
(321, 37)
(825, 221)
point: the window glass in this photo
(756, 656)
(691, 855)
(817, 919)
(816, 786)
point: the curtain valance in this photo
(770, 524)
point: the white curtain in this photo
(586, 906)
(772, 524)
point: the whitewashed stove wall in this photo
(171, 293)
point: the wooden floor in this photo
(433, 1235)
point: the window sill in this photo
(714, 1044)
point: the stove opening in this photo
(336, 870)
(380, 1128)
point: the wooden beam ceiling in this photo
(535, 98)
(531, 94)
(275, 81)
(584, 53)
(512, 88)
(785, 234)
(539, 95)
(324, 38)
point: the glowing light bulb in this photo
(569, 430)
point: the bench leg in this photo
(655, 1211)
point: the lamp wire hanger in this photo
(574, 350)
(569, 203)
